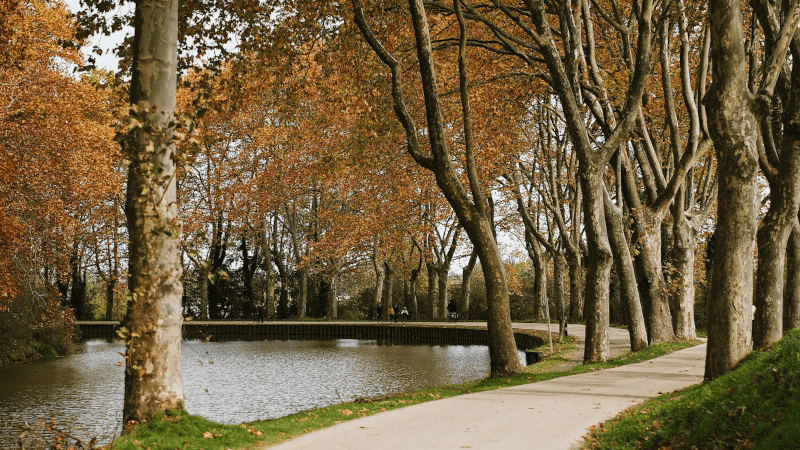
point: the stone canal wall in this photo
(390, 333)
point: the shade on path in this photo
(553, 414)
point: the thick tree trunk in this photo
(283, 300)
(558, 294)
(412, 292)
(466, 288)
(202, 282)
(598, 267)
(502, 347)
(776, 226)
(629, 293)
(110, 285)
(791, 295)
(432, 313)
(539, 281)
(650, 278)
(575, 265)
(380, 275)
(332, 310)
(443, 280)
(390, 285)
(153, 321)
(734, 129)
(302, 293)
(269, 292)
(683, 262)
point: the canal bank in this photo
(412, 333)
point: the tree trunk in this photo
(629, 293)
(444, 279)
(575, 265)
(302, 293)
(791, 295)
(733, 126)
(412, 292)
(202, 282)
(502, 347)
(379, 282)
(432, 295)
(111, 284)
(776, 226)
(468, 204)
(332, 312)
(153, 321)
(283, 300)
(683, 262)
(390, 284)
(269, 288)
(558, 296)
(539, 283)
(466, 288)
(650, 277)
(598, 268)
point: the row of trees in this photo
(583, 128)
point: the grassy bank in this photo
(184, 431)
(757, 406)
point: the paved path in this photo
(549, 415)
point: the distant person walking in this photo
(391, 312)
(379, 312)
(404, 314)
(453, 309)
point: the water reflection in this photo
(231, 382)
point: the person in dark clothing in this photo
(379, 312)
(452, 308)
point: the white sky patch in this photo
(108, 60)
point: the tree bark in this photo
(558, 294)
(153, 321)
(629, 292)
(683, 262)
(776, 226)
(791, 295)
(539, 279)
(110, 286)
(302, 293)
(380, 275)
(269, 285)
(733, 126)
(332, 310)
(650, 277)
(389, 268)
(575, 269)
(433, 297)
(598, 268)
(412, 292)
(444, 281)
(466, 288)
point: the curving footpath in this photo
(551, 415)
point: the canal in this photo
(229, 382)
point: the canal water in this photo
(228, 382)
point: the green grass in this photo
(179, 430)
(757, 406)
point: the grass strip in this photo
(180, 430)
(755, 406)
